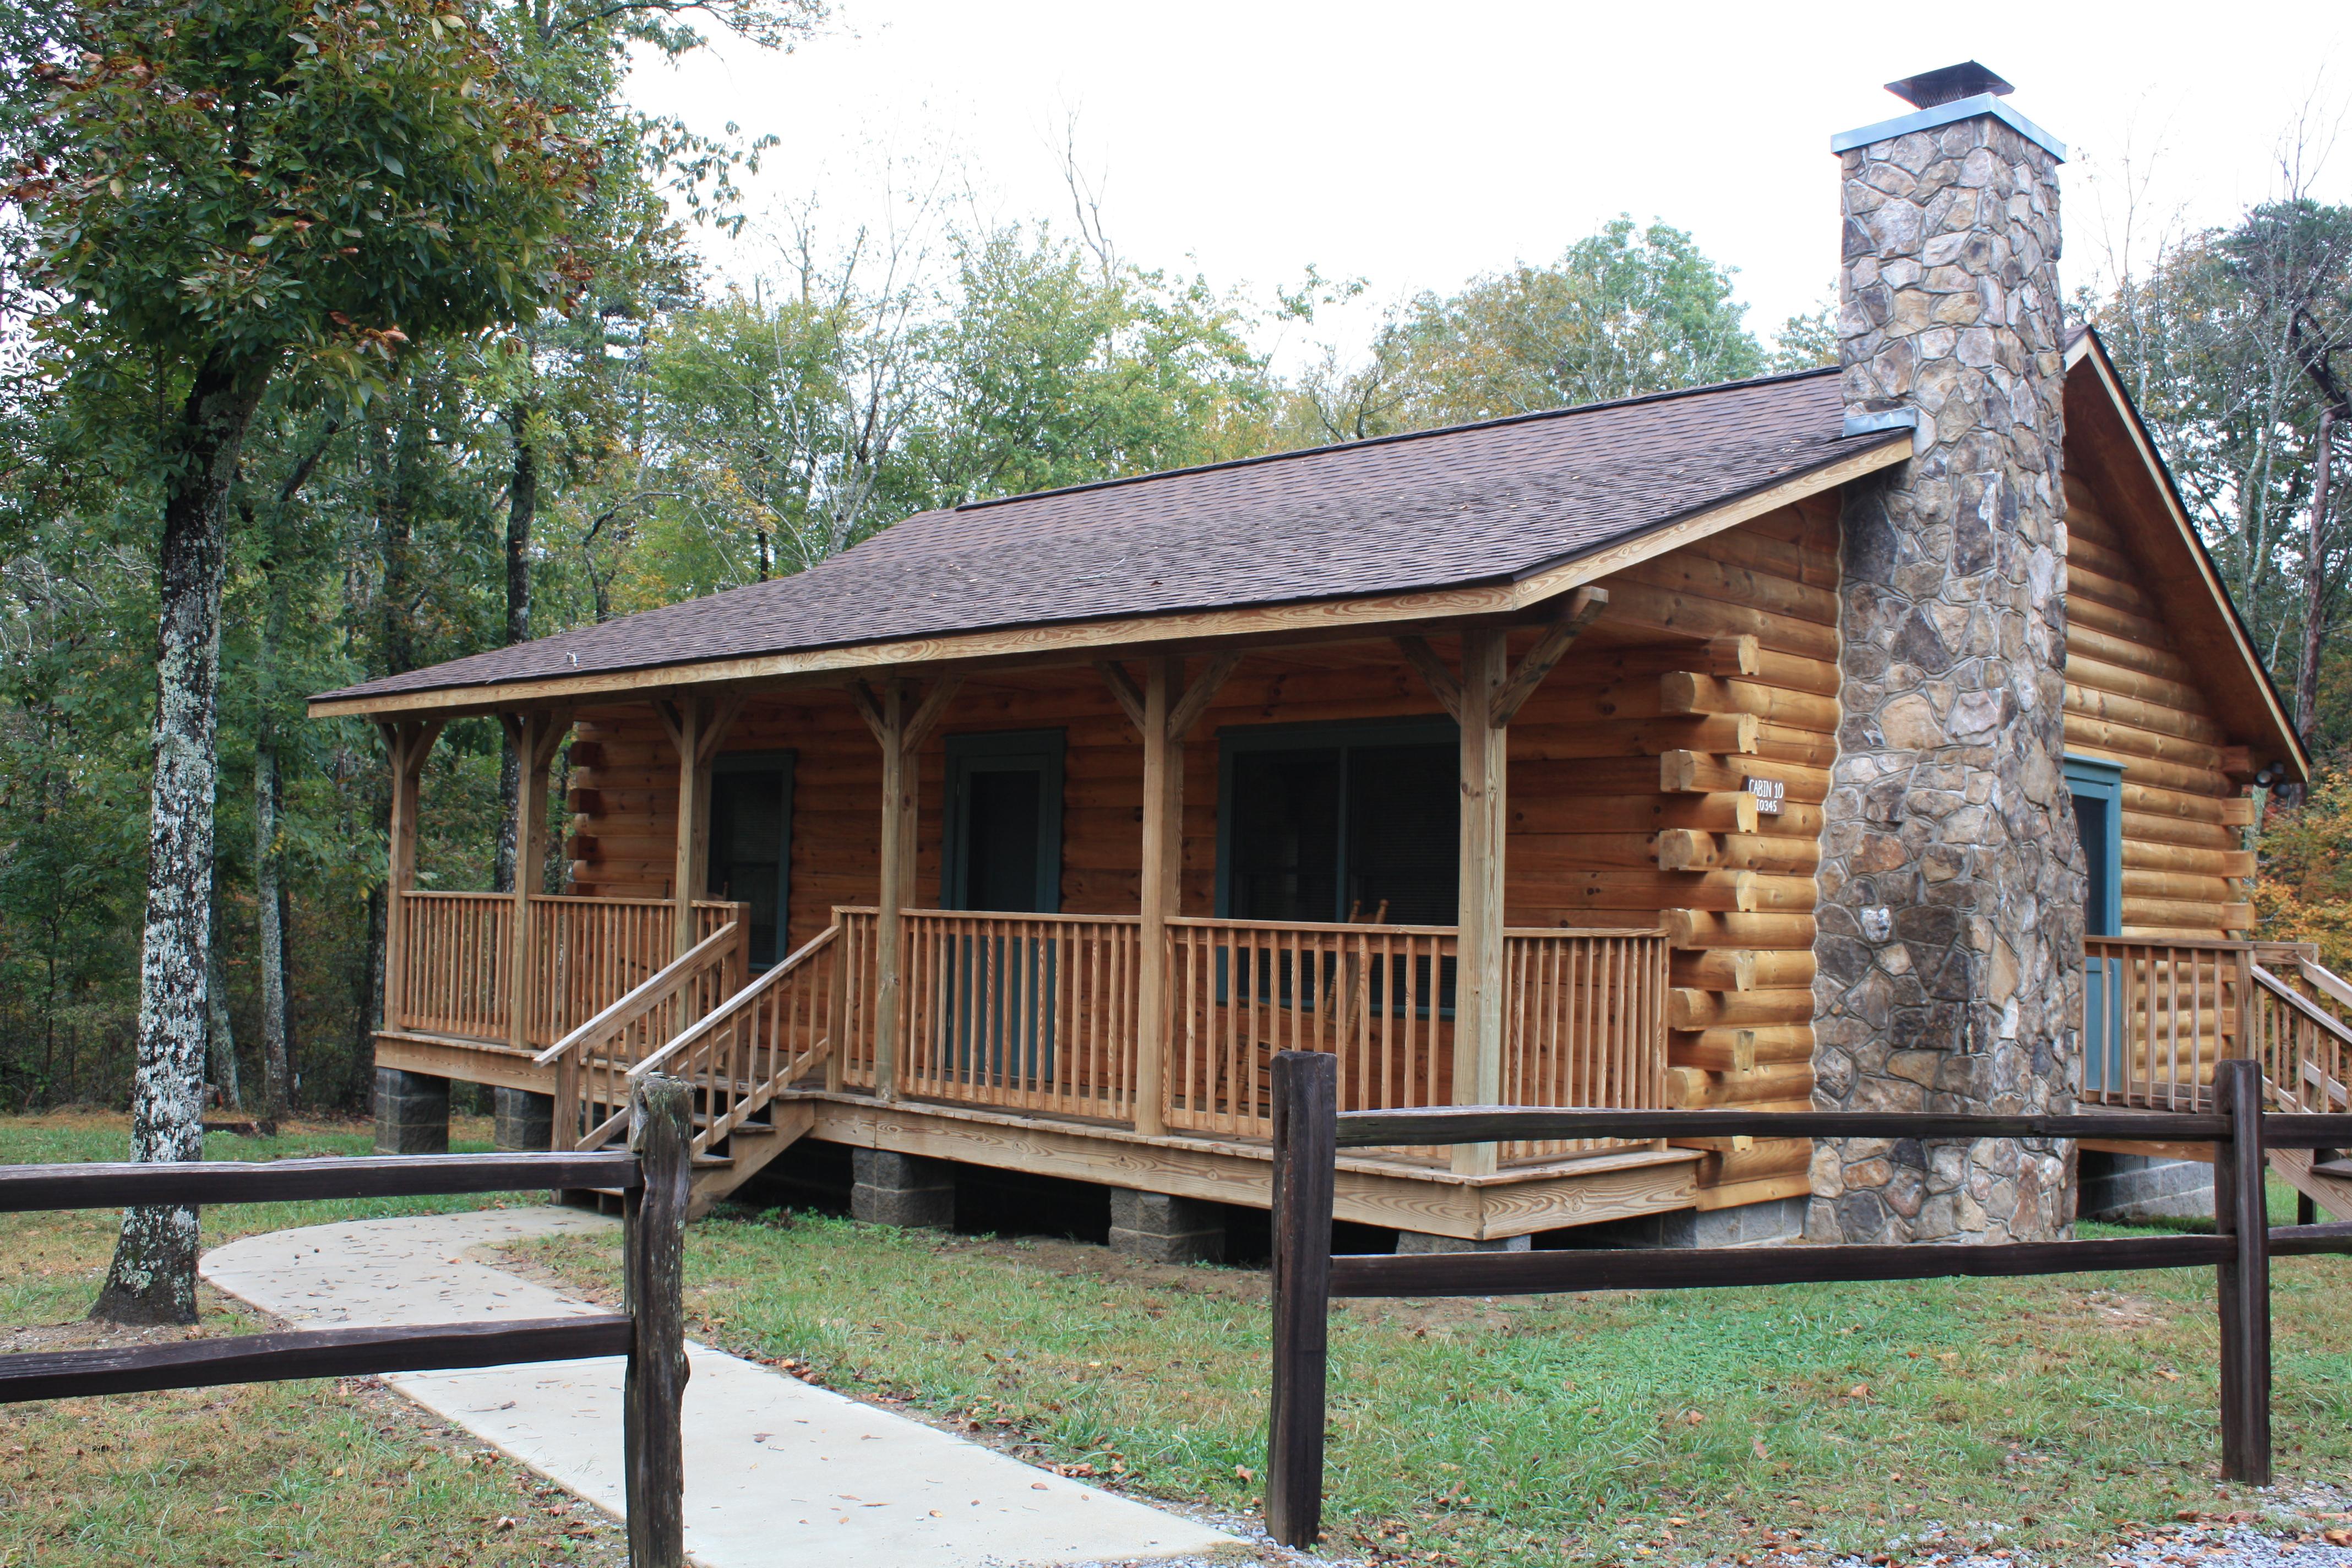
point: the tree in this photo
(2225, 343)
(214, 185)
(1623, 312)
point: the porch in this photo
(1021, 1042)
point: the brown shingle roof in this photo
(1475, 503)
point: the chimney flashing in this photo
(1949, 114)
(1869, 422)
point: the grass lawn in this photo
(327, 1473)
(2053, 1415)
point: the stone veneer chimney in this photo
(1952, 881)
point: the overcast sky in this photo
(1416, 145)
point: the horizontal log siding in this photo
(1632, 704)
(2132, 698)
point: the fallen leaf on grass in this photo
(2337, 1537)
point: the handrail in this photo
(641, 1000)
(2301, 1004)
(735, 1004)
(2325, 979)
(2184, 944)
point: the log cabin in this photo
(1874, 736)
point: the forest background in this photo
(660, 433)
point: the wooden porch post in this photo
(535, 736)
(1483, 699)
(1478, 967)
(1163, 856)
(896, 887)
(899, 727)
(1162, 712)
(697, 725)
(407, 742)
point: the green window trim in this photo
(2091, 778)
(1003, 750)
(783, 761)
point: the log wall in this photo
(2133, 698)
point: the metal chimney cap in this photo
(1932, 89)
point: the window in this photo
(1341, 822)
(751, 843)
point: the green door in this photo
(752, 844)
(1003, 855)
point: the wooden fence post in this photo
(1306, 1149)
(661, 1135)
(2242, 1210)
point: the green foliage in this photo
(2214, 340)
(237, 176)
(1623, 312)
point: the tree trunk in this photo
(154, 1278)
(2315, 585)
(269, 916)
(522, 512)
(220, 1038)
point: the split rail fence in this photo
(1309, 1129)
(653, 1176)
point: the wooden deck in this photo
(1018, 1046)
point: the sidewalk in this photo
(778, 1473)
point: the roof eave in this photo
(2277, 727)
(1370, 613)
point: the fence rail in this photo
(654, 1178)
(1310, 1130)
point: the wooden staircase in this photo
(739, 1049)
(2302, 1034)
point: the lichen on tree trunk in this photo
(153, 1277)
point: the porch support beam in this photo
(534, 736)
(1163, 855)
(698, 724)
(1582, 608)
(1478, 967)
(1162, 709)
(407, 742)
(900, 724)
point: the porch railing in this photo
(593, 1062)
(2157, 1016)
(1584, 1019)
(764, 1039)
(2304, 1045)
(1039, 1012)
(456, 979)
(1024, 1012)
(586, 954)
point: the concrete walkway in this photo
(778, 1473)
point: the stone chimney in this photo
(1952, 881)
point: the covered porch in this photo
(1131, 1049)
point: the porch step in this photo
(750, 1147)
(2341, 1170)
